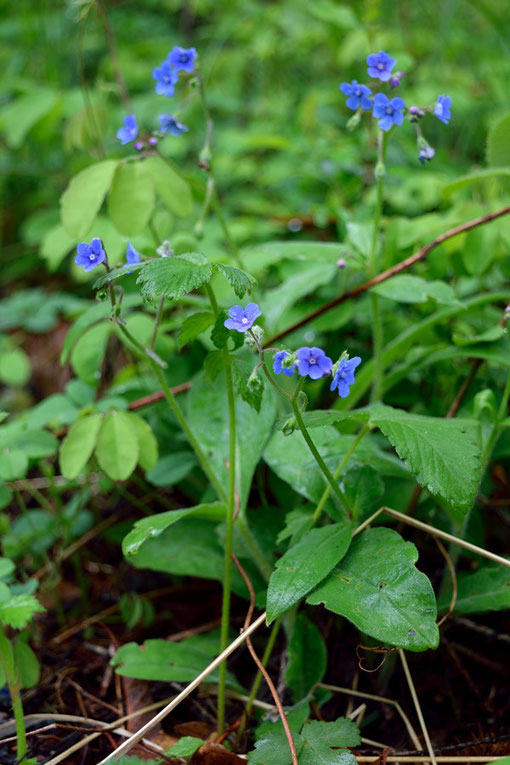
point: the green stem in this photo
(11, 675)
(336, 475)
(496, 430)
(377, 327)
(157, 320)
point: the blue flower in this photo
(166, 77)
(172, 124)
(344, 376)
(425, 154)
(182, 59)
(313, 362)
(358, 95)
(129, 131)
(132, 255)
(90, 255)
(442, 108)
(380, 65)
(388, 113)
(277, 364)
(242, 318)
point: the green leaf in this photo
(405, 288)
(6, 567)
(442, 454)
(78, 445)
(55, 245)
(18, 611)
(117, 447)
(319, 417)
(149, 528)
(35, 531)
(304, 280)
(14, 367)
(185, 747)
(172, 468)
(362, 487)
(131, 198)
(305, 565)
(26, 663)
(174, 277)
(498, 142)
(250, 388)
(82, 200)
(320, 737)
(487, 589)
(378, 588)
(88, 353)
(147, 443)
(273, 748)
(257, 259)
(13, 464)
(35, 443)
(170, 186)
(193, 326)
(476, 177)
(240, 281)
(56, 410)
(19, 116)
(307, 658)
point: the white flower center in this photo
(357, 92)
(389, 110)
(312, 360)
(92, 256)
(380, 65)
(244, 320)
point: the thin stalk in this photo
(377, 328)
(11, 675)
(157, 320)
(336, 475)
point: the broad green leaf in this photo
(6, 567)
(257, 259)
(185, 747)
(56, 410)
(240, 281)
(442, 454)
(26, 663)
(13, 464)
(487, 589)
(14, 367)
(305, 565)
(131, 198)
(117, 446)
(172, 468)
(297, 522)
(18, 611)
(208, 419)
(307, 658)
(167, 661)
(78, 445)
(320, 737)
(363, 487)
(378, 588)
(34, 530)
(498, 142)
(20, 115)
(319, 417)
(88, 353)
(193, 326)
(147, 443)
(174, 277)
(273, 748)
(476, 177)
(55, 245)
(405, 288)
(34, 443)
(304, 280)
(149, 528)
(82, 200)
(170, 186)
(5, 593)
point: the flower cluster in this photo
(92, 255)
(166, 76)
(309, 362)
(390, 111)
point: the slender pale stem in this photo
(377, 328)
(11, 675)
(157, 320)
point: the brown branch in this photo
(261, 668)
(393, 271)
(158, 395)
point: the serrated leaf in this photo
(498, 142)
(193, 326)
(82, 200)
(239, 280)
(117, 446)
(173, 277)
(170, 186)
(220, 335)
(18, 611)
(320, 737)
(305, 565)
(487, 589)
(307, 658)
(273, 749)
(77, 447)
(442, 454)
(147, 443)
(149, 528)
(131, 198)
(378, 588)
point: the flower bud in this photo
(341, 263)
(153, 141)
(380, 171)
(353, 122)
(138, 146)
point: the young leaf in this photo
(378, 588)
(487, 589)
(249, 388)
(185, 747)
(131, 198)
(13, 464)
(26, 664)
(320, 737)
(174, 277)
(78, 445)
(240, 281)
(307, 658)
(147, 444)
(193, 326)
(273, 748)
(18, 611)
(117, 446)
(84, 196)
(305, 565)
(442, 454)
(171, 187)
(88, 353)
